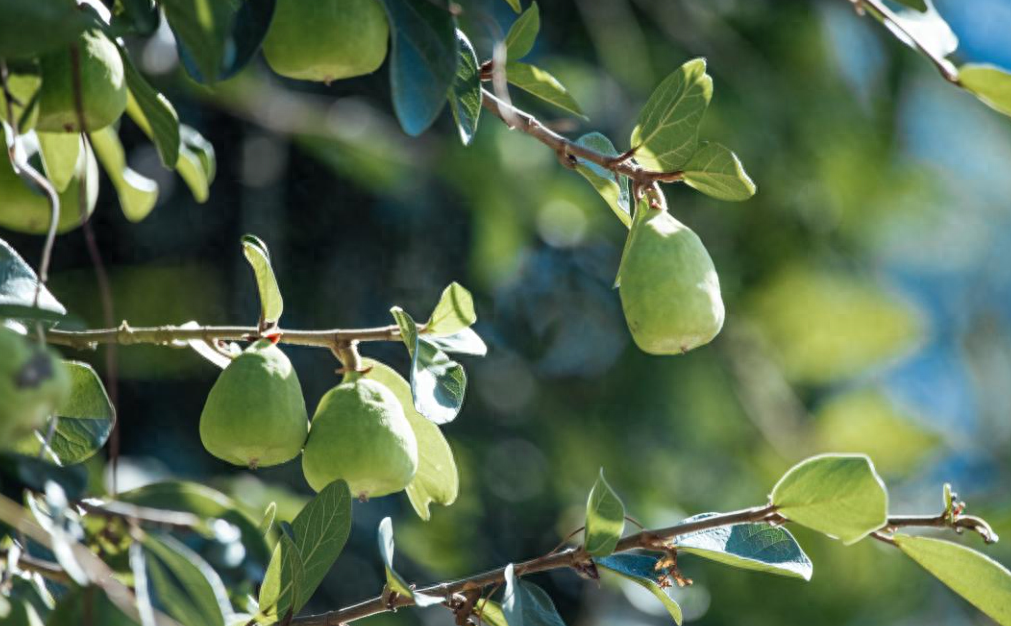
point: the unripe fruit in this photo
(34, 382)
(255, 414)
(326, 40)
(26, 211)
(670, 292)
(103, 86)
(359, 433)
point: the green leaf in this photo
(152, 112)
(666, 135)
(184, 584)
(394, 580)
(919, 5)
(290, 581)
(17, 287)
(320, 531)
(839, 495)
(985, 583)
(990, 84)
(29, 28)
(91, 601)
(540, 83)
(605, 519)
(18, 472)
(515, 4)
(438, 383)
(465, 97)
(612, 187)
(526, 604)
(453, 313)
(930, 29)
(716, 171)
(757, 547)
(422, 62)
(522, 34)
(137, 194)
(641, 570)
(201, 28)
(60, 154)
(197, 164)
(490, 613)
(85, 420)
(437, 479)
(465, 341)
(271, 302)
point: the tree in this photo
(182, 552)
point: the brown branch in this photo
(47, 569)
(169, 335)
(570, 150)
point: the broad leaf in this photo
(85, 420)
(60, 153)
(666, 135)
(271, 302)
(839, 495)
(526, 604)
(185, 586)
(716, 171)
(394, 580)
(423, 60)
(18, 283)
(612, 187)
(641, 570)
(29, 28)
(490, 613)
(437, 479)
(465, 341)
(152, 111)
(91, 601)
(137, 194)
(515, 4)
(197, 164)
(990, 84)
(540, 83)
(758, 547)
(522, 34)
(465, 97)
(438, 383)
(931, 30)
(453, 313)
(985, 583)
(320, 531)
(217, 39)
(605, 519)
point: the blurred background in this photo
(868, 289)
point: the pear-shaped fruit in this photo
(103, 86)
(359, 433)
(669, 288)
(255, 414)
(25, 210)
(34, 382)
(326, 40)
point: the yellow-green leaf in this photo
(271, 302)
(990, 84)
(716, 171)
(666, 135)
(540, 83)
(137, 194)
(605, 519)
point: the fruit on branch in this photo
(33, 384)
(102, 83)
(255, 414)
(359, 433)
(26, 210)
(669, 289)
(326, 40)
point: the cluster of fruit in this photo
(255, 416)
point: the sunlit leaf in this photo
(60, 153)
(758, 547)
(990, 84)
(641, 570)
(394, 580)
(271, 302)
(453, 313)
(437, 480)
(985, 583)
(526, 604)
(605, 519)
(197, 163)
(465, 341)
(666, 135)
(540, 83)
(184, 584)
(438, 383)
(137, 194)
(465, 97)
(716, 171)
(612, 187)
(839, 495)
(152, 111)
(522, 34)
(18, 284)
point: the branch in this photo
(568, 150)
(169, 335)
(892, 21)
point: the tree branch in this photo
(568, 150)
(169, 335)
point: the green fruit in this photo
(359, 433)
(326, 40)
(669, 288)
(255, 415)
(103, 86)
(34, 382)
(24, 84)
(26, 211)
